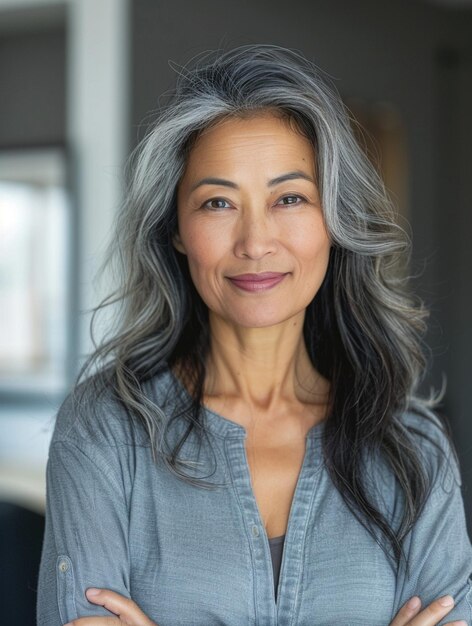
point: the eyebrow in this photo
(211, 180)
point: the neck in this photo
(263, 367)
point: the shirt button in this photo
(63, 566)
(255, 531)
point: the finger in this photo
(96, 621)
(127, 610)
(433, 613)
(408, 610)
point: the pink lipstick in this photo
(257, 282)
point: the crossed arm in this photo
(91, 522)
(127, 612)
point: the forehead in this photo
(255, 140)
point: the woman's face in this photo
(250, 221)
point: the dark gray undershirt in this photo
(276, 548)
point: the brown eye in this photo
(216, 203)
(286, 200)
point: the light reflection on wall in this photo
(380, 129)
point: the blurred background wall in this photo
(79, 82)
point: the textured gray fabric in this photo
(191, 556)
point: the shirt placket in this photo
(289, 597)
(267, 612)
(264, 601)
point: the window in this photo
(34, 268)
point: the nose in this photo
(256, 235)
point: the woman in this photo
(259, 393)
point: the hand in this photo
(430, 616)
(128, 612)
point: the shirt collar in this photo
(222, 426)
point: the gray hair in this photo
(363, 331)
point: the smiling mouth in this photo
(257, 282)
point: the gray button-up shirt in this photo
(200, 557)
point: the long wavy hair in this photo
(363, 332)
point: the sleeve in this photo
(86, 534)
(438, 547)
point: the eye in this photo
(214, 204)
(292, 199)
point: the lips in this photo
(257, 282)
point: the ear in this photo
(177, 243)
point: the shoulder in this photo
(420, 446)
(431, 438)
(93, 413)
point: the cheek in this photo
(205, 248)
(311, 244)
